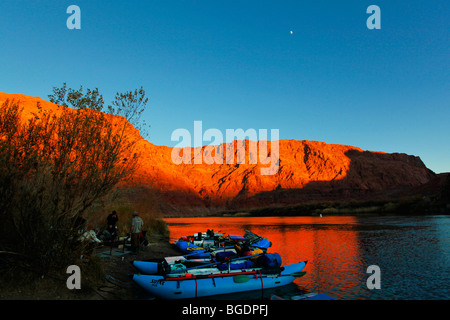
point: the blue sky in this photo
(235, 64)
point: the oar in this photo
(206, 250)
(203, 251)
(219, 262)
(201, 264)
(242, 278)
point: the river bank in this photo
(408, 206)
(111, 282)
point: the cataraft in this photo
(195, 245)
(231, 248)
(233, 254)
(234, 275)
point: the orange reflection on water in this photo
(330, 244)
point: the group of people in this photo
(136, 228)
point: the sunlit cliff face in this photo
(317, 168)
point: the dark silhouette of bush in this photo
(54, 167)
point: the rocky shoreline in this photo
(119, 269)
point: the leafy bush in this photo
(54, 167)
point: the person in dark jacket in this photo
(112, 220)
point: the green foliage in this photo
(69, 97)
(130, 104)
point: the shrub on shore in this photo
(53, 168)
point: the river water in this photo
(412, 253)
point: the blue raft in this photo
(179, 264)
(147, 267)
(199, 252)
(184, 286)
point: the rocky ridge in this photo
(306, 170)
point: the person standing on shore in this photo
(112, 220)
(136, 227)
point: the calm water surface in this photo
(413, 253)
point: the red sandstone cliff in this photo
(307, 170)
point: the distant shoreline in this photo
(246, 214)
(416, 206)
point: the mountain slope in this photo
(307, 170)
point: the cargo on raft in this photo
(217, 265)
(192, 285)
